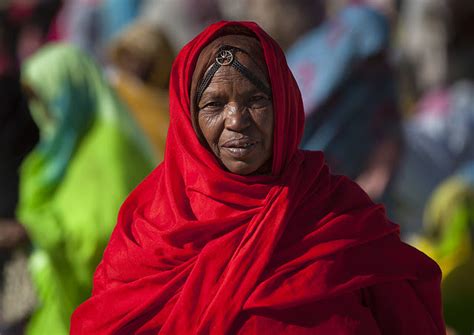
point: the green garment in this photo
(449, 239)
(89, 157)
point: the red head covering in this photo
(198, 249)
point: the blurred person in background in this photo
(421, 43)
(79, 23)
(91, 24)
(284, 20)
(24, 27)
(388, 8)
(439, 137)
(89, 157)
(141, 58)
(180, 20)
(448, 237)
(18, 134)
(33, 22)
(117, 15)
(350, 98)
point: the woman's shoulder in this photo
(338, 190)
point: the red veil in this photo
(199, 250)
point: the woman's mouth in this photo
(240, 147)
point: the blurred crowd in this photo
(388, 90)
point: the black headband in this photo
(226, 56)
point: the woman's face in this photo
(236, 120)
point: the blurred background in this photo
(388, 89)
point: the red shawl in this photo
(198, 250)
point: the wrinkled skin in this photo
(236, 120)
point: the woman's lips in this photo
(239, 148)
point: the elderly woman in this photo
(239, 232)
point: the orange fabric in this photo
(149, 106)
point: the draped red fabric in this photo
(199, 250)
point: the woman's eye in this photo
(212, 105)
(258, 101)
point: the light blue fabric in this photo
(116, 15)
(350, 102)
(322, 59)
(439, 141)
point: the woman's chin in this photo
(246, 168)
(240, 167)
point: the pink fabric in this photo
(198, 250)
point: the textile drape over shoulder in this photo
(199, 250)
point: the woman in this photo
(89, 157)
(239, 232)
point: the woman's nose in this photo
(237, 117)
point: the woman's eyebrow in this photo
(254, 90)
(211, 94)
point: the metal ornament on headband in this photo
(225, 57)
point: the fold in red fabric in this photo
(199, 250)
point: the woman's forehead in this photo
(228, 74)
(252, 55)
